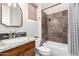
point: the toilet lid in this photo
(44, 48)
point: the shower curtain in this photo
(73, 29)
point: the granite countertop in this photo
(4, 47)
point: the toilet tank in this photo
(37, 43)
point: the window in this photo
(32, 11)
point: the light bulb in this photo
(14, 4)
(9, 4)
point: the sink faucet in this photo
(15, 34)
(10, 35)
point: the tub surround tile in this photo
(55, 27)
(58, 27)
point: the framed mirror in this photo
(12, 15)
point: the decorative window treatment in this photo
(73, 29)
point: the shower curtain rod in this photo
(51, 6)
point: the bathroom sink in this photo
(11, 43)
(16, 40)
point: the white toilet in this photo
(42, 50)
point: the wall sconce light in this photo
(9, 4)
(14, 4)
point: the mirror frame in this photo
(15, 25)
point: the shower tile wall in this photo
(44, 27)
(58, 27)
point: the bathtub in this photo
(57, 49)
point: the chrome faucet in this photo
(14, 34)
(10, 35)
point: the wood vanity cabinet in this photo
(23, 50)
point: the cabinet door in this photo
(30, 52)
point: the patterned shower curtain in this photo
(73, 29)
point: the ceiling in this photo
(51, 10)
(46, 5)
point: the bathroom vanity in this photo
(27, 49)
(21, 45)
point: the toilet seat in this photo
(43, 50)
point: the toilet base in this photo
(42, 52)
